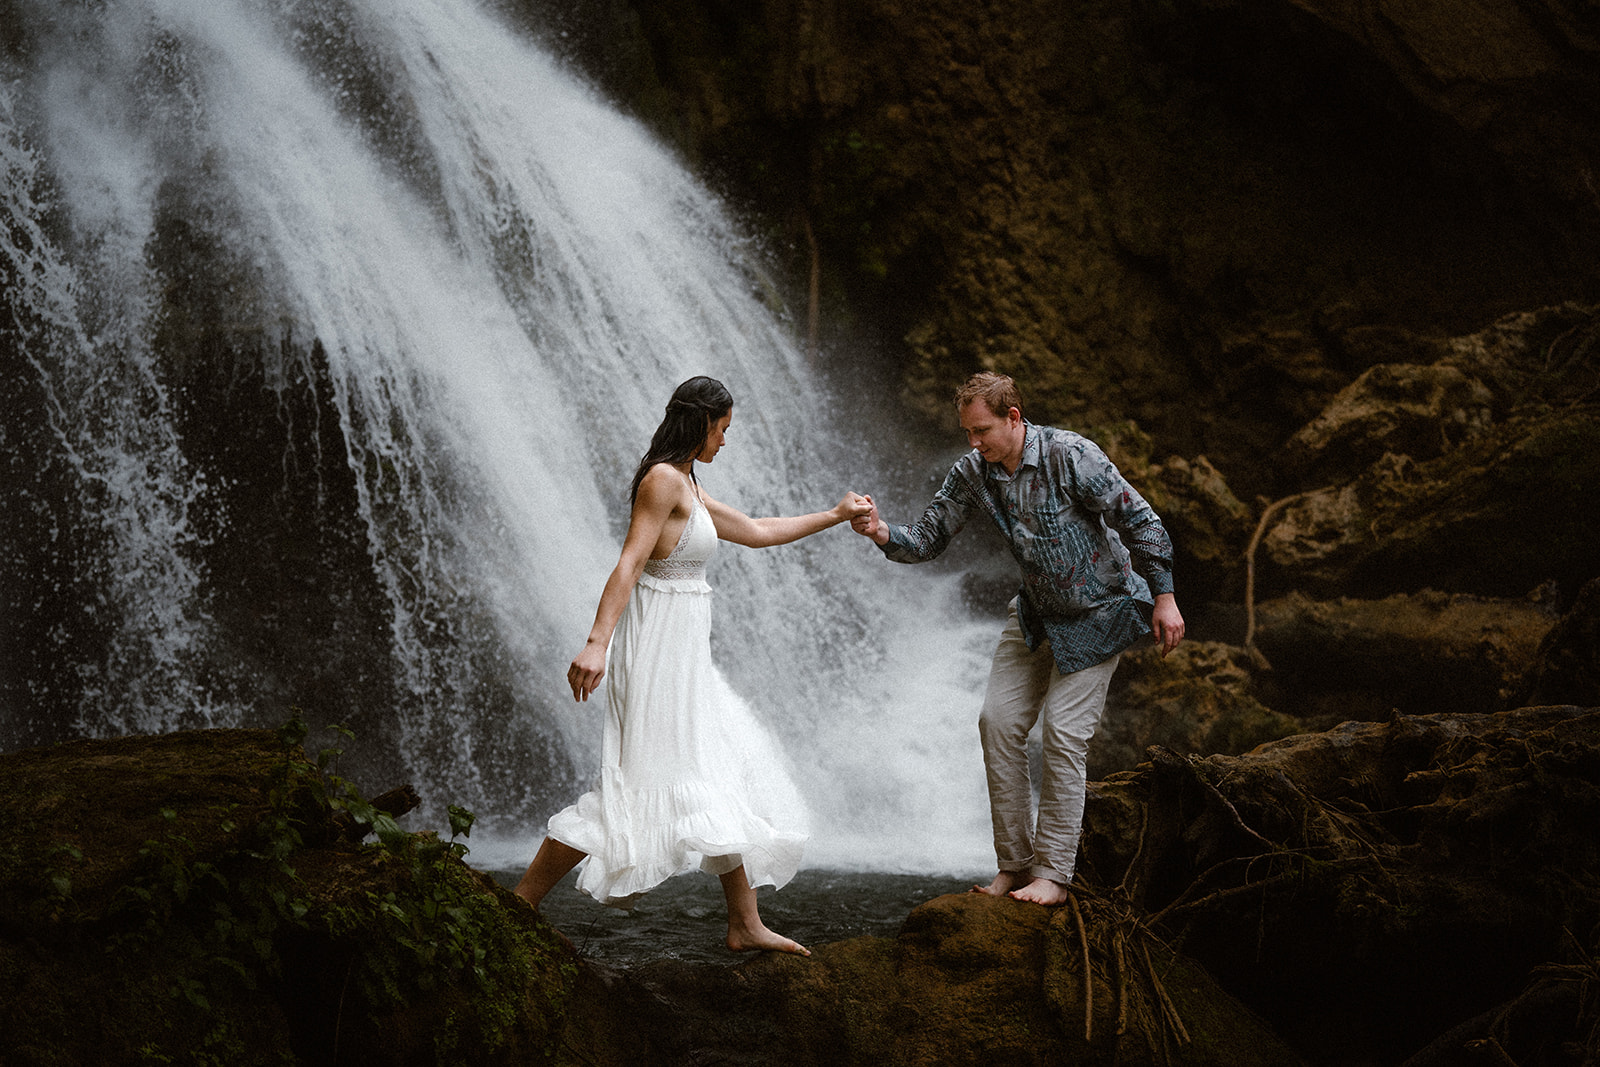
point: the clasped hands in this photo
(869, 524)
(863, 516)
(852, 508)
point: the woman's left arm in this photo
(734, 525)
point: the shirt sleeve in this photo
(1100, 487)
(942, 519)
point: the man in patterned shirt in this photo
(1096, 577)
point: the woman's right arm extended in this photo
(659, 493)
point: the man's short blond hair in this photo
(996, 390)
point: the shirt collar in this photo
(1030, 454)
(1030, 446)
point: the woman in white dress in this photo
(688, 776)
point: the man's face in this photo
(997, 438)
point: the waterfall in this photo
(463, 286)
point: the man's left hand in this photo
(1167, 621)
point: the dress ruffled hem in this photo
(650, 835)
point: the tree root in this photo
(1088, 975)
(1108, 928)
(1256, 656)
(1180, 906)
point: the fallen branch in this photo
(394, 803)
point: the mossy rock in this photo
(89, 812)
(192, 898)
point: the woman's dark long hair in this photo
(695, 406)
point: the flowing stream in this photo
(498, 278)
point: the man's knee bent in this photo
(1004, 728)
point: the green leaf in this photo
(292, 734)
(388, 830)
(364, 812)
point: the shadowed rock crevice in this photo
(1329, 879)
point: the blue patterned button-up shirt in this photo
(1093, 553)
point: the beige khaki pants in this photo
(1027, 688)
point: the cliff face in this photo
(1206, 217)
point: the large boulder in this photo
(194, 897)
(1202, 697)
(1416, 411)
(1541, 357)
(969, 979)
(1434, 476)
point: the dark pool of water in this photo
(684, 918)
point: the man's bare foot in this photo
(760, 939)
(1003, 883)
(1042, 891)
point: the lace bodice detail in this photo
(670, 568)
(687, 560)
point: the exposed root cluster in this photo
(1118, 949)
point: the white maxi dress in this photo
(688, 777)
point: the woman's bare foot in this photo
(746, 931)
(1003, 883)
(1042, 891)
(761, 939)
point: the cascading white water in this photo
(504, 278)
(90, 348)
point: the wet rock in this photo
(81, 816)
(189, 896)
(1497, 516)
(1323, 878)
(166, 894)
(1416, 411)
(970, 978)
(1427, 862)
(1332, 660)
(1200, 698)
